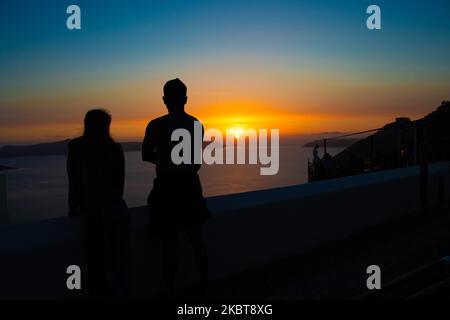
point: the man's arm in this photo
(148, 146)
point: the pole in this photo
(419, 138)
(441, 190)
(4, 218)
(416, 143)
(372, 157)
(424, 179)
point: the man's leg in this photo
(169, 248)
(200, 253)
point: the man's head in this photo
(175, 95)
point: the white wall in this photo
(246, 230)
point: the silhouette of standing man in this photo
(176, 201)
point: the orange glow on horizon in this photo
(123, 129)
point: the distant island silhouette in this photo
(60, 147)
(51, 148)
(337, 143)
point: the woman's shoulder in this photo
(115, 147)
(76, 143)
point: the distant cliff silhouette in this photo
(395, 145)
(51, 148)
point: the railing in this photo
(289, 221)
(346, 136)
(369, 163)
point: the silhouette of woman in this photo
(176, 202)
(95, 166)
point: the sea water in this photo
(37, 190)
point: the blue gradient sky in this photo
(283, 59)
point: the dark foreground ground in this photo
(338, 270)
(332, 271)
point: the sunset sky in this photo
(299, 66)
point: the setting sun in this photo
(236, 131)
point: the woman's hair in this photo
(97, 123)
